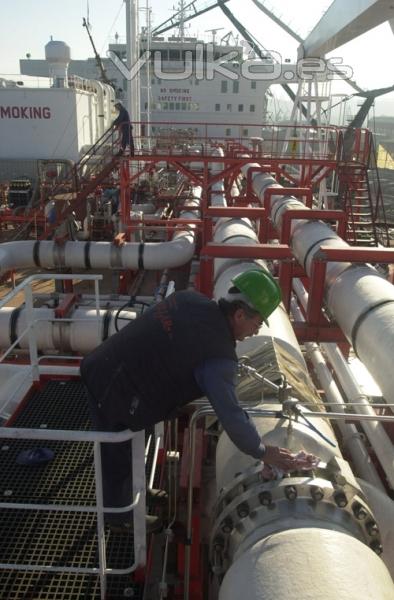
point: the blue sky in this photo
(28, 25)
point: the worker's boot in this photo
(153, 524)
(156, 497)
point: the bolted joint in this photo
(317, 493)
(340, 499)
(291, 492)
(359, 511)
(227, 525)
(377, 547)
(243, 510)
(265, 498)
(372, 528)
(218, 543)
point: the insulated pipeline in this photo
(357, 296)
(105, 255)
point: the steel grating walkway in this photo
(56, 538)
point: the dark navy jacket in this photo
(123, 121)
(154, 357)
(179, 350)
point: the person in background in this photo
(122, 121)
(179, 350)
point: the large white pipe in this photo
(306, 564)
(351, 438)
(83, 332)
(105, 255)
(357, 297)
(375, 431)
(313, 545)
(383, 509)
(231, 231)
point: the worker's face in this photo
(245, 325)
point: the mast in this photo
(133, 85)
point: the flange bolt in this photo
(227, 525)
(290, 492)
(372, 528)
(359, 511)
(317, 493)
(243, 510)
(340, 499)
(376, 546)
(265, 498)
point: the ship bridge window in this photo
(240, 107)
(223, 87)
(188, 55)
(177, 106)
(245, 132)
(229, 107)
(252, 108)
(228, 131)
(171, 105)
(235, 87)
(217, 107)
(159, 55)
(174, 55)
(253, 85)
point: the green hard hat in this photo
(261, 290)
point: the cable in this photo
(131, 303)
(315, 429)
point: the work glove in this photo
(285, 461)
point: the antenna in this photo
(183, 9)
(214, 32)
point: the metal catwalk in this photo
(62, 538)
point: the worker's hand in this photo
(284, 459)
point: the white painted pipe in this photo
(358, 298)
(105, 255)
(230, 461)
(350, 435)
(375, 431)
(81, 334)
(383, 510)
(307, 564)
(272, 566)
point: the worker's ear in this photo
(239, 315)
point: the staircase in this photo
(89, 172)
(361, 198)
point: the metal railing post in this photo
(31, 332)
(100, 518)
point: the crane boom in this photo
(174, 21)
(256, 47)
(97, 56)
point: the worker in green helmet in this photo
(179, 350)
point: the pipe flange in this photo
(267, 505)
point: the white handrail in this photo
(137, 505)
